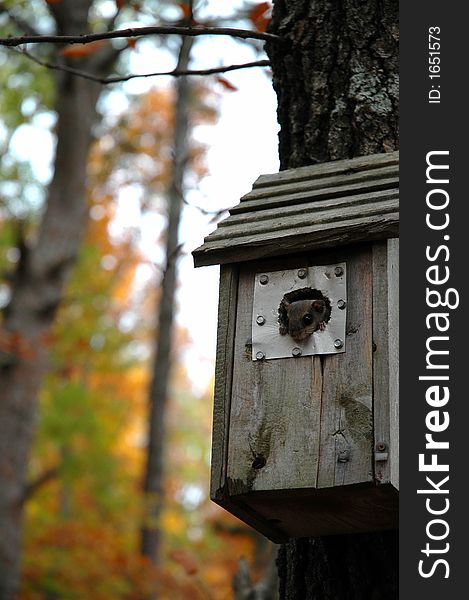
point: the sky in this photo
(241, 146)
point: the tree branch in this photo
(32, 487)
(87, 38)
(117, 78)
(213, 213)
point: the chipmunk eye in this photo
(308, 319)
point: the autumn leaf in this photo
(16, 344)
(262, 23)
(186, 560)
(186, 10)
(131, 42)
(260, 15)
(120, 3)
(82, 50)
(227, 84)
(53, 1)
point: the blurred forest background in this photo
(108, 466)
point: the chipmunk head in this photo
(301, 317)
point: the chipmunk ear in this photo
(318, 305)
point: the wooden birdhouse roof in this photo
(320, 206)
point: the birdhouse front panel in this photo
(304, 421)
(305, 436)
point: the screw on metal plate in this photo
(343, 456)
(302, 273)
(338, 271)
(381, 447)
(341, 304)
(270, 331)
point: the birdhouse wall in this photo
(295, 439)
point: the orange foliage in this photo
(226, 84)
(260, 15)
(82, 50)
(15, 344)
(82, 527)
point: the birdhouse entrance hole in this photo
(299, 312)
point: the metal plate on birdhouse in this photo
(299, 312)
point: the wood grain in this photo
(386, 359)
(308, 208)
(275, 412)
(340, 211)
(296, 195)
(301, 239)
(346, 418)
(223, 376)
(393, 312)
(354, 165)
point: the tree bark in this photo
(37, 288)
(158, 396)
(336, 80)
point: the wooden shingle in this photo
(320, 206)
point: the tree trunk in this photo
(37, 289)
(336, 80)
(158, 396)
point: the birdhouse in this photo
(305, 430)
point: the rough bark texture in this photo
(336, 79)
(158, 397)
(358, 567)
(37, 289)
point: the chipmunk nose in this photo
(298, 333)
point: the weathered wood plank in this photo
(311, 237)
(223, 376)
(363, 179)
(393, 308)
(346, 509)
(283, 222)
(335, 203)
(360, 163)
(276, 201)
(386, 360)
(275, 412)
(381, 408)
(346, 418)
(308, 208)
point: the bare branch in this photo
(213, 213)
(33, 486)
(118, 78)
(135, 32)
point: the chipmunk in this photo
(301, 318)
